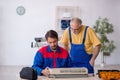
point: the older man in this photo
(83, 44)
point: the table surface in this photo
(106, 67)
(85, 78)
(46, 78)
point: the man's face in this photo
(75, 27)
(53, 42)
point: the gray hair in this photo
(77, 20)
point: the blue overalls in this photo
(79, 56)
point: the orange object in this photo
(109, 74)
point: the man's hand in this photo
(92, 62)
(95, 54)
(46, 72)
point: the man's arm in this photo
(95, 54)
(65, 40)
(37, 64)
(65, 47)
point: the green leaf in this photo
(104, 28)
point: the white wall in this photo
(17, 32)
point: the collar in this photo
(49, 49)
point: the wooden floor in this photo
(11, 72)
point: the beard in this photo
(54, 48)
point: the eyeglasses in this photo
(75, 29)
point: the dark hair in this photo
(52, 34)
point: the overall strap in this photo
(70, 37)
(85, 34)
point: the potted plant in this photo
(102, 27)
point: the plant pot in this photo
(106, 54)
(102, 60)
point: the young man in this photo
(50, 56)
(83, 44)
